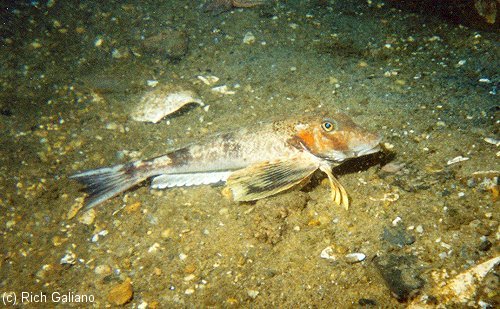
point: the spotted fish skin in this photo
(255, 162)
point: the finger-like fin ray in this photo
(339, 194)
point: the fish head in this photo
(335, 138)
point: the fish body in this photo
(254, 162)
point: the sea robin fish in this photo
(255, 162)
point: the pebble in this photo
(73, 210)
(131, 208)
(154, 248)
(366, 302)
(396, 221)
(208, 79)
(98, 42)
(355, 257)
(166, 233)
(102, 270)
(397, 236)
(189, 291)
(68, 259)
(224, 89)
(249, 38)
(419, 229)
(87, 217)
(121, 293)
(328, 254)
(253, 293)
(189, 277)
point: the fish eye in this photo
(327, 126)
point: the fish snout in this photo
(364, 144)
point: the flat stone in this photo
(401, 275)
(121, 293)
(397, 236)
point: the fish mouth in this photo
(368, 148)
(367, 151)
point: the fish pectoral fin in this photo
(339, 194)
(268, 178)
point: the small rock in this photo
(169, 43)
(366, 302)
(253, 293)
(397, 236)
(328, 254)
(69, 258)
(132, 207)
(166, 233)
(102, 270)
(87, 217)
(354, 257)
(249, 38)
(419, 229)
(485, 245)
(401, 274)
(73, 210)
(189, 291)
(154, 248)
(189, 277)
(121, 293)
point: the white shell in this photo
(355, 257)
(163, 101)
(456, 160)
(328, 254)
(224, 89)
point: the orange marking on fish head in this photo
(335, 138)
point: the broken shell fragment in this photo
(208, 80)
(224, 89)
(460, 289)
(163, 101)
(493, 141)
(456, 160)
(328, 254)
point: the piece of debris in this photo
(163, 101)
(456, 160)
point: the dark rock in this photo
(397, 236)
(485, 245)
(366, 302)
(6, 112)
(170, 43)
(455, 216)
(445, 193)
(401, 275)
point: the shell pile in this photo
(163, 101)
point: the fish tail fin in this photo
(104, 183)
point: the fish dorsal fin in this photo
(268, 178)
(339, 194)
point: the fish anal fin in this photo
(268, 178)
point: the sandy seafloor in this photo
(70, 72)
